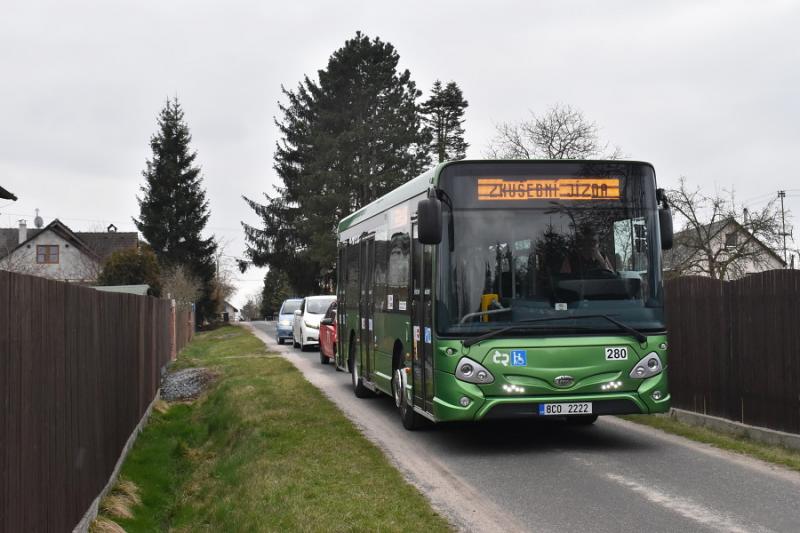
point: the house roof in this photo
(6, 195)
(99, 245)
(141, 290)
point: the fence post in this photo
(173, 352)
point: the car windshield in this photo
(290, 306)
(318, 306)
(513, 261)
(331, 312)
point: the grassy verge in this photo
(263, 450)
(743, 445)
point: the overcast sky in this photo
(706, 90)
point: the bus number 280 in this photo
(616, 353)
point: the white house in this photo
(735, 251)
(57, 252)
(231, 312)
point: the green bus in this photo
(502, 289)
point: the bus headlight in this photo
(649, 366)
(473, 372)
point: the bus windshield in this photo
(565, 242)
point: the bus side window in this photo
(381, 268)
(398, 274)
(353, 296)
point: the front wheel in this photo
(280, 340)
(323, 359)
(410, 419)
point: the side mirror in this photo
(665, 222)
(326, 322)
(429, 221)
(297, 313)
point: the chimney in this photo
(23, 231)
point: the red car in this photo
(327, 336)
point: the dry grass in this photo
(129, 489)
(102, 524)
(161, 406)
(119, 503)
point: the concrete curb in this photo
(91, 513)
(737, 429)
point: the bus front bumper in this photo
(483, 407)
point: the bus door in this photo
(366, 305)
(341, 292)
(422, 322)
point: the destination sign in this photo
(548, 189)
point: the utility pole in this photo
(782, 195)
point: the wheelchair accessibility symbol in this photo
(519, 358)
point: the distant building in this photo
(734, 249)
(230, 313)
(56, 252)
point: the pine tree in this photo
(444, 119)
(173, 208)
(346, 140)
(276, 290)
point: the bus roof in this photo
(422, 182)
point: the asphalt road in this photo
(546, 476)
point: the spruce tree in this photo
(444, 119)
(347, 139)
(173, 207)
(276, 290)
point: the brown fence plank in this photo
(735, 347)
(78, 368)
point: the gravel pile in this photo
(185, 384)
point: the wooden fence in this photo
(78, 369)
(734, 347)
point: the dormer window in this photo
(47, 254)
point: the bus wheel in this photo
(323, 359)
(411, 420)
(582, 420)
(358, 385)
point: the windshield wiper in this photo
(636, 334)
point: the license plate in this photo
(565, 409)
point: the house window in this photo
(47, 254)
(731, 240)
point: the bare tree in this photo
(252, 309)
(561, 133)
(181, 285)
(222, 286)
(720, 238)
